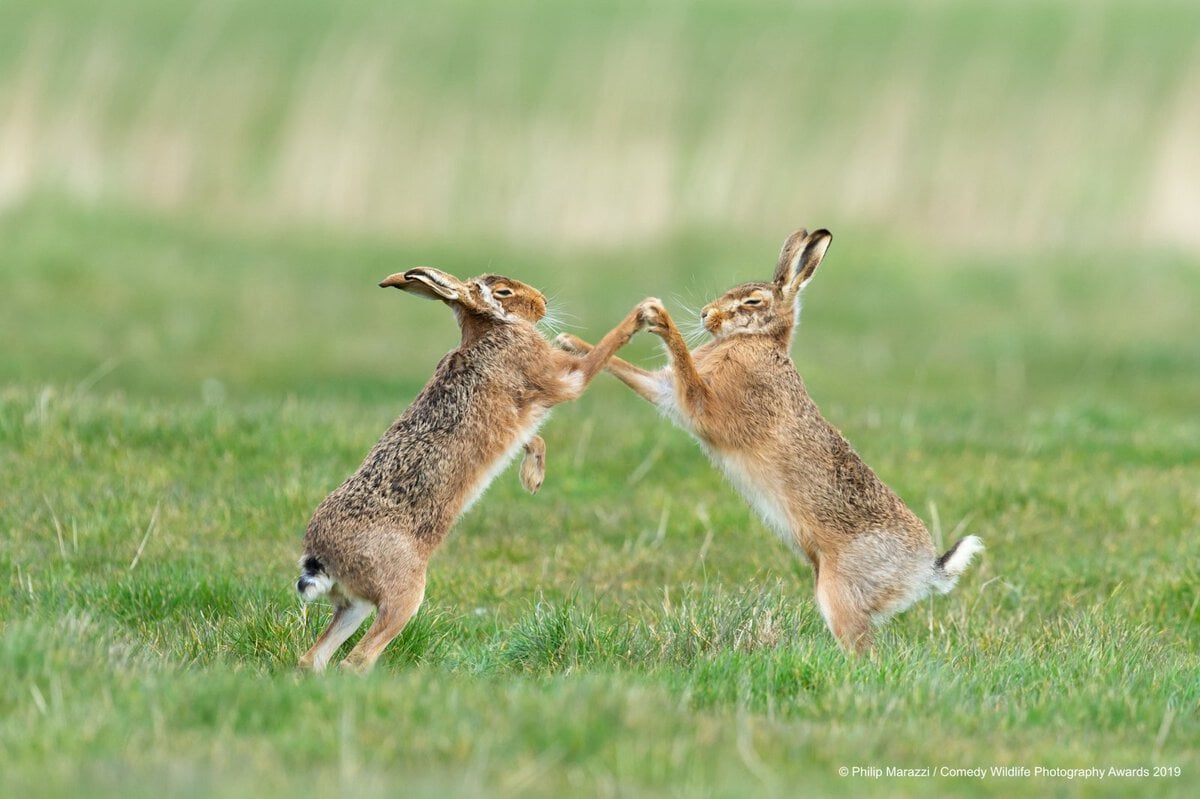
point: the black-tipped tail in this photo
(314, 580)
(955, 561)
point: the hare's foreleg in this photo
(654, 387)
(690, 388)
(348, 614)
(533, 465)
(598, 356)
(394, 613)
(648, 385)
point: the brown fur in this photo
(741, 396)
(370, 540)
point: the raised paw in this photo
(571, 344)
(654, 316)
(533, 465)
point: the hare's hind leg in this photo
(394, 612)
(842, 608)
(348, 614)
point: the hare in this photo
(742, 398)
(369, 542)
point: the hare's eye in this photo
(752, 301)
(504, 292)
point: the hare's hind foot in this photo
(348, 615)
(394, 614)
(850, 623)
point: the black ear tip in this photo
(819, 240)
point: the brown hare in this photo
(741, 397)
(369, 543)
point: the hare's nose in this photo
(704, 314)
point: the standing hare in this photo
(741, 397)
(369, 543)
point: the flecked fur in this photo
(742, 398)
(374, 535)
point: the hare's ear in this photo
(805, 258)
(427, 282)
(786, 255)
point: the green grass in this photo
(180, 398)
(196, 204)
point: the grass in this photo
(196, 205)
(630, 630)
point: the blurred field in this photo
(196, 205)
(576, 123)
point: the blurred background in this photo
(201, 194)
(575, 123)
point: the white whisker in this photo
(694, 333)
(554, 322)
(559, 313)
(691, 327)
(552, 328)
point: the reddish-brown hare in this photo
(741, 397)
(369, 543)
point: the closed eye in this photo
(752, 301)
(503, 292)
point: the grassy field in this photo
(170, 420)
(195, 208)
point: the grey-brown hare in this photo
(742, 398)
(369, 542)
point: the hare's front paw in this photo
(533, 466)
(654, 315)
(571, 344)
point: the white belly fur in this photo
(523, 436)
(759, 490)
(663, 385)
(750, 486)
(761, 499)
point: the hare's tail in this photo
(314, 580)
(954, 562)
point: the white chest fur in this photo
(758, 490)
(662, 385)
(535, 420)
(755, 485)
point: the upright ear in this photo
(805, 257)
(787, 255)
(427, 282)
